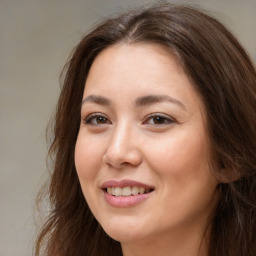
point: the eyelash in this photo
(157, 118)
(89, 119)
(166, 119)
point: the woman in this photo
(154, 141)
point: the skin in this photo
(170, 152)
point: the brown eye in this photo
(96, 120)
(157, 119)
(101, 120)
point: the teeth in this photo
(135, 191)
(141, 190)
(118, 191)
(127, 191)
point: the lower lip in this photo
(125, 201)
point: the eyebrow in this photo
(97, 99)
(152, 99)
(139, 102)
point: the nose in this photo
(123, 148)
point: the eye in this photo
(96, 119)
(158, 119)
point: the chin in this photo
(124, 233)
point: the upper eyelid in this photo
(168, 120)
(161, 115)
(86, 115)
(92, 115)
(151, 115)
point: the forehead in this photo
(135, 70)
(127, 62)
(146, 55)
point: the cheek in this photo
(178, 154)
(186, 183)
(87, 158)
(181, 165)
(88, 161)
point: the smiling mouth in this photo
(127, 191)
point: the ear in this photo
(227, 175)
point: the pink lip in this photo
(125, 201)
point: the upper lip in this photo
(125, 183)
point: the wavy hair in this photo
(224, 77)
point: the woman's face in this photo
(142, 152)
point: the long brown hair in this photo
(224, 77)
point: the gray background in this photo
(35, 41)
